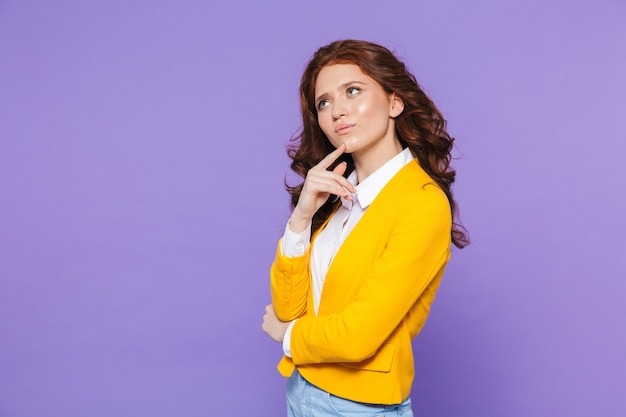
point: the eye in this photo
(322, 104)
(352, 91)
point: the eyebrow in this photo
(342, 86)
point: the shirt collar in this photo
(369, 188)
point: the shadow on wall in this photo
(457, 366)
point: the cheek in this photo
(324, 122)
(365, 108)
(362, 109)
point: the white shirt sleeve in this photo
(295, 244)
(287, 339)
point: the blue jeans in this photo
(306, 400)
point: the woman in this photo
(369, 237)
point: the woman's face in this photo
(352, 108)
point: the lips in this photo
(344, 129)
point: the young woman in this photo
(368, 239)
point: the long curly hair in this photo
(420, 126)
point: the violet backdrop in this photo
(141, 168)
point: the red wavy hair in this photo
(420, 126)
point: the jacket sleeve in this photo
(417, 249)
(290, 283)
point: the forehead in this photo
(333, 76)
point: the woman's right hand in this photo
(319, 184)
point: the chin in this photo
(350, 146)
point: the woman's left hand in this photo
(273, 326)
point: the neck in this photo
(367, 161)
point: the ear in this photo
(397, 106)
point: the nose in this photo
(339, 110)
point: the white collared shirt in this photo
(338, 228)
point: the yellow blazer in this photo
(376, 296)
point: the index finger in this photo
(332, 157)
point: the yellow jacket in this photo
(376, 297)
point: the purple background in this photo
(141, 168)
